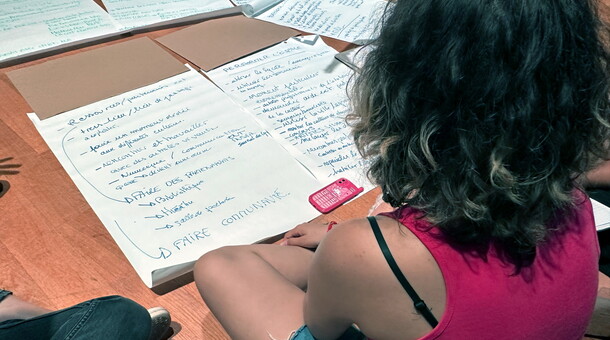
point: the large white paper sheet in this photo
(33, 26)
(137, 13)
(349, 20)
(297, 90)
(176, 169)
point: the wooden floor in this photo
(54, 251)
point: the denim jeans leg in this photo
(303, 333)
(4, 294)
(111, 317)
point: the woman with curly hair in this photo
(479, 118)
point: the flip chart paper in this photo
(137, 13)
(33, 26)
(176, 169)
(297, 90)
(349, 20)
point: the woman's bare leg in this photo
(255, 291)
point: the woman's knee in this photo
(213, 262)
(221, 263)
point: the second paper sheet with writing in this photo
(176, 169)
(297, 90)
(348, 20)
(29, 26)
(136, 13)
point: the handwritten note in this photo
(297, 90)
(176, 169)
(349, 20)
(31, 26)
(136, 13)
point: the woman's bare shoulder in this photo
(353, 264)
(350, 249)
(357, 234)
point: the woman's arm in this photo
(333, 283)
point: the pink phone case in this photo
(333, 195)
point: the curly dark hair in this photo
(482, 113)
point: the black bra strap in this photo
(419, 304)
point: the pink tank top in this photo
(552, 299)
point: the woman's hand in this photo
(306, 235)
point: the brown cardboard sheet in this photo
(218, 41)
(67, 83)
